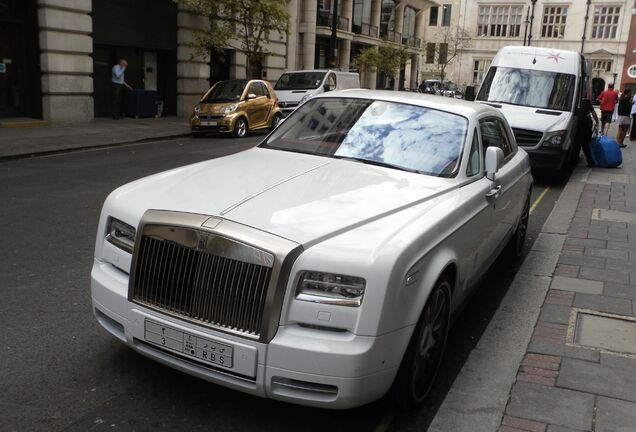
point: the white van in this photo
(539, 91)
(295, 87)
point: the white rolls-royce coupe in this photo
(322, 266)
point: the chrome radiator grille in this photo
(203, 278)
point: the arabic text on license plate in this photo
(208, 123)
(205, 350)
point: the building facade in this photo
(600, 29)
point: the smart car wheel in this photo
(275, 121)
(423, 356)
(240, 128)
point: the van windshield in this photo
(299, 81)
(531, 88)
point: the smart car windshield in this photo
(526, 87)
(226, 91)
(299, 81)
(400, 136)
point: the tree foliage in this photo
(452, 41)
(388, 58)
(243, 25)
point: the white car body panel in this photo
(346, 218)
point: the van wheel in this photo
(423, 356)
(240, 127)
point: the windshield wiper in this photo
(379, 163)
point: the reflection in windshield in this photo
(299, 81)
(533, 88)
(410, 137)
(226, 91)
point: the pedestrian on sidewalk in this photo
(632, 131)
(585, 128)
(624, 116)
(119, 83)
(608, 100)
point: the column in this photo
(344, 54)
(308, 29)
(420, 26)
(376, 12)
(66, 46)
(371, 77)
(193, 70)
(398, 24)
(414, 71)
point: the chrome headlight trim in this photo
(121, 234)
(329, 288)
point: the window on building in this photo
(387, 18)
(446, 15)
(499, 21)
(432, 19)
(601, 66)
(631, 71)
(430, 53)
(361, 15)
(554, 21)
(605, 22)
(443, 53)
(480, 67)
(408, 28)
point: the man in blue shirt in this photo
(118, 86)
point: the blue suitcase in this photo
(606, 152)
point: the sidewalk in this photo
(16, 142)
(560, 353)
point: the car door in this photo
(256, 108)
(503, 189)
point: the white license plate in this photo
(208, 122)
(205, 350)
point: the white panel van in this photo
(539, 91)
(295, 87)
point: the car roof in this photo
(458, 106)
(322, 70)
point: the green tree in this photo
(244, 25)
(388, 58)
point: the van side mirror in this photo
(494, 161)
(328, 87)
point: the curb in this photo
(477, 399)
(4, 158)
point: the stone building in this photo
(598, 28)
(56, 55)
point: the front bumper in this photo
(320, 368)
(223, 124)
(547, 159)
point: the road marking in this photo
(386, 421)
(539, 198)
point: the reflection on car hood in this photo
(212, 108)
(292, 95)
(300, 197)
(527, 118)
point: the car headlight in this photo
(328, 288)
(230, 108)
(555, 139)
(305, 98)
(196, 109)
(121, 234)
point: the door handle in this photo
(493, 192)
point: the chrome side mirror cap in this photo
(250, 96)
(494, 161)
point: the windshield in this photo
(226, 91)
(531, 88)
(299, 81)
(400, 136)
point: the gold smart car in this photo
(236, 106)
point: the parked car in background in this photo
(441, 88)
(295, 87)
(236, 106)
(539, 91)
(323, 266)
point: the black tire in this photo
(423, 356)
(240, 127)
(514, 248)
(275, 121)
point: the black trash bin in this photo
(141, 103)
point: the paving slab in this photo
(557, 406)
(601, 303)
(618, 361)
(614, 415)
(613, 215)
(620, 290)
(561, 350)
(597, 379)
(547, 242)
(604, 275)
(559, 220)
(577, 285)
(553, 428)
(559, 314)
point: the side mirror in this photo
(494, 161)
(250, 96)
(327, 87)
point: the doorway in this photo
(598, 85)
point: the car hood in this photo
(303, 198)
(532, 119)
(212, 108)
(293, 95)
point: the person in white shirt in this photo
(118, 86)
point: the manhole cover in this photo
(606, 332)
